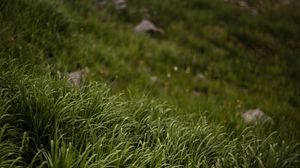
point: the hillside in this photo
(172, 97)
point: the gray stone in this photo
(256, 116)
(120, 4)
(154, 79)
(76, 78)
(148, 27)
(200, 76)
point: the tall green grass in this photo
(46, 123)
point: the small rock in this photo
(153, 79)
(243, 4)
(200, 76)
(77, 77)
(120, 4)
(148, 27)
(255, 116)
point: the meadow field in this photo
(171, 98)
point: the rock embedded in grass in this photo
(256, 116)
(154, 79)
(200, 76)
(76, 78)
(147, 27)
(120, 4)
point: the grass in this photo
(45, 123)
(247, 62)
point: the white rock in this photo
(255, 116)
(147, 26)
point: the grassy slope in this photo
(46, 123)
(247, 62)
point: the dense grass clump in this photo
(46, 123)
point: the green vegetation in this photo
(214, 61)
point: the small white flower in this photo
(169, 75)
